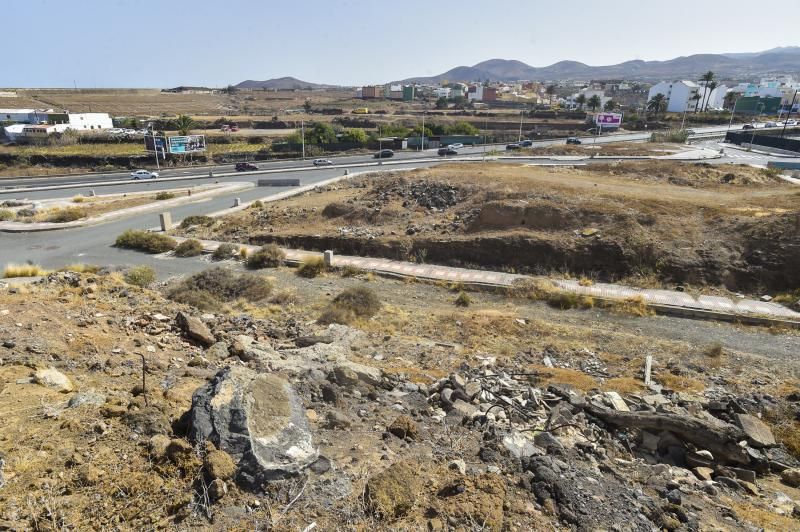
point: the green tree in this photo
(551, 91)
(132, 122)
(394, 130)
(594, 102)
(230, 90)
(730, 99)
(184, 124)
(320, 133)
(610, 105)
(441, 103)
(307, 105)
(708, 77)
(356, 135)
(416, 130)
(657, 104)
(581, 100)
(462, 128)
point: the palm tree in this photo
(696, 97)
(708, 77)
(657, 104)
(594, 102)
(610, 105)
(711, 87)
(730, 99)
(580, 100)
(184, 124)
(551, 90)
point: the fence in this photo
(768, 140)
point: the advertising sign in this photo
(151, 143)
(187, 144)
(609, 119)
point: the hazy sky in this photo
(163, 43)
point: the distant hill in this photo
(783, 60)
(285, 83)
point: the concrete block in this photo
(165, 218)
(237, 202)
(327, 258)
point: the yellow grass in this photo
(80, 268)
(23, 270)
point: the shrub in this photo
(23, 270)
(257, 204)
(6, 214)
(196, 220)
(714, 350)
(144, 241)
(78, 199)
(311, 268)
(269, 256)
(224, 251)
(463, 299)
(25, 213)
(164, 196)
(80, 268)
(350, 271)
(358, 302)
(66, 214)
(189, 248)
(287, 296)
(207, 289)
(141, 276)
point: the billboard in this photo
(187, 144)
(151, 143)
(609, 119)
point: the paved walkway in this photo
(665, 301)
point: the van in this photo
(361, 111)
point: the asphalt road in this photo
(11, 182)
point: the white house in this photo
(14, 132)
(89, 121)
(679, 94)
(24, 116)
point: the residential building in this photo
(409, 93)
(394, 92)
(679, 94)
(442, 92)
(371, 92)
(482, 94)
(24, 116)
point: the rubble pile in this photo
(431, 195)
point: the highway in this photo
(12, 182)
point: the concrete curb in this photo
(19, 227)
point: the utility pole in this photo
(791, 106)
(485, 127)
(733, 112)
(521, 114)
(422, 135)
(303, 137)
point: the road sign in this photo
(187, 144)
(153, 143)
(609, 119)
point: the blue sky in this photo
(163, 43)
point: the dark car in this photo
(748, 126)
(573, 140)
(447, 151)
(526, 143)
(383, 154)
(513, 146)
(245, 167)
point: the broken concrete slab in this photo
(757, 432)
(617, 402)
(257, 419)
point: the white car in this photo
(323, 162)
(144, 174)
(115, 131)
(456, 146)
(791, 122)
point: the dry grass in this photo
(23, 270)
(632, 306)
(80, 268)
(680, 383)
(623, 385)
(311, 267)
(575, 378)
(768, 520)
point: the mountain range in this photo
(285, 83)
(739, 66)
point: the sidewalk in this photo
(662, 301)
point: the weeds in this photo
(141, 276)
(269, 256)
(224, 251)
(23, 270)
(80, 268)
(145, 241)
(161, 196)
(6, 214)
(350, 271)
(78, 199)
(66, 214)
(463, 299)
(189, 248)
(311, 268)
(353, 303)
(257, 204)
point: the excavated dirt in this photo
(666, 223)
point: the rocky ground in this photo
(716, 228)
(122, 409)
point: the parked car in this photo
(513, 146)
(771, 124)
(748, 126)
(527, 143)
(115, 131)
(384, 154)
(234, 128)
(322, 162)
(791, 122)
(245, 167)
(447, 151)
(690, 132)
(456, 146)
(573, 140)
(144, 174)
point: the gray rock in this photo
(345, 376)
(337, 420)
(257, 419)
(472, 389)
(744, 474)
(457, 380)
(758, 434)
(458, 465)
(791, 477)
(308, 341)
(219, 351)
(90, 398)
(463, 408)
(194, 329)
(545, 440)
(52, 378)
(674, 497)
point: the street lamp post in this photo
(733, 112)
(422, 134)
(791, 106)
(303, 137)
(521, 114)
(753, 138)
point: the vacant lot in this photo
(656, 222)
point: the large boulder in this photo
(194, 329)
(256, 418)
(52, 378)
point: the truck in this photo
(361, 111)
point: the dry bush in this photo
(23, 270)
(224, 251)
(269, 256)
(78, 199)
(257, 204)
(66, 214)
(463, 299)
(145, 241)
(353, 303)
(311, 268)
(283, 297)
(6, 214)
(632, 306)
(189, 221)
(189, 248)
(210, 288)
(141, 276)
(350, 271)
(164, 196)
(784, 425)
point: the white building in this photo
(14, 132)
(24, 116)
(89, 121)
(442, 92)
(679, 94)
(588, 93)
